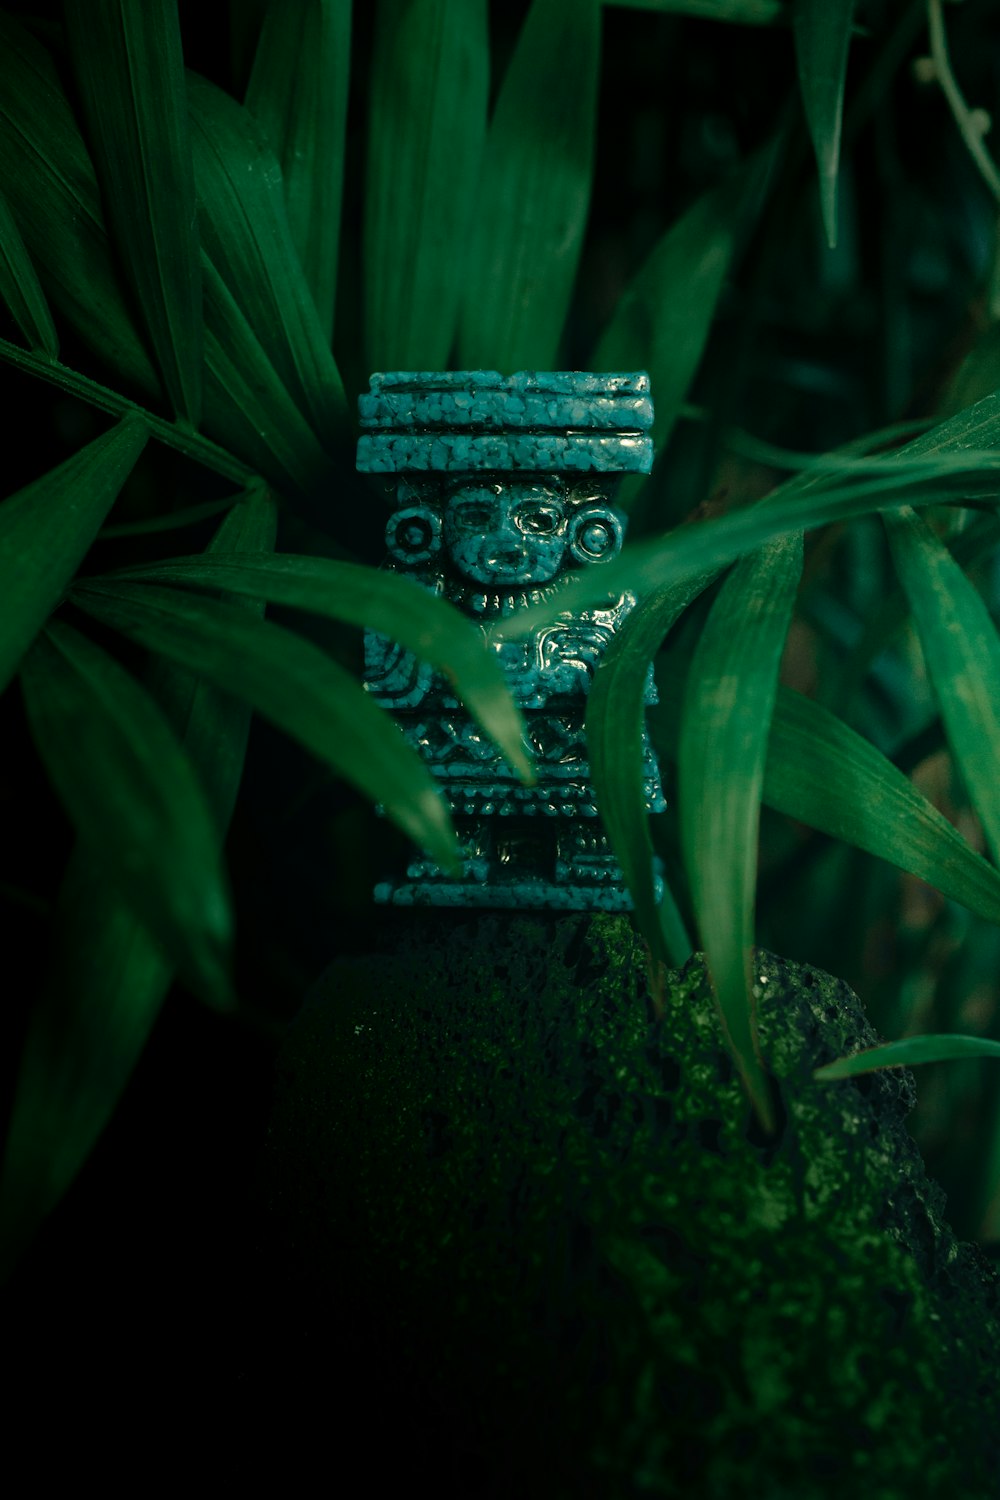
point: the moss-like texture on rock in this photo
(547, 1224)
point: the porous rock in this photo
(541, 1231)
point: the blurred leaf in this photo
(246, 236)
(298, 94)
(426, 127)
(721, 757)
(295, 685)
(955, 460)
(107, 976)
(662, 320)
(528, 227)
(616, 713)
(46, 530)
(20, 288)
(907, 1053)
(50, 184)
(749, 12)
(127, 61)
(962, 652)
(822, 41)
(431, 628)
(133, 797)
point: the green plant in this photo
(189, 253)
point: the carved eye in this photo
(473, 517)
(539, 521)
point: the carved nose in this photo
(506, 555)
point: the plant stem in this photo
(972, 132)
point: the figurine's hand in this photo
(567, 656)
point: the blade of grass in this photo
(747, 12)
(133, 796)
(294, 684)
(908, 1053)
(721, 757)
(426, 127)
(615, 721)
(50, 184)
(528, 227)
(107, 976)
(21, 290)
(434, 630)
(126, 57)
(298, 95)
(246, 236)
(962, 651)
(822, 40)
(46, 530)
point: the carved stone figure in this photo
(499, 485)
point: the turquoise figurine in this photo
(499, 486)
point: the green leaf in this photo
(49, 181)
(107, 976)
(955, 460)
(295, 685)
(426, 127)
(434, 630)
(962, 651)
(662, 321)
(528, 227)
(298, 94)
(822, 41)
(46, 530)
(721, 757)
(126, 57)
(616, 713)
(749, 12)
(20, 288)
(246, 237)
(908, 1053)
(132, 795)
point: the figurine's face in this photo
(506, 534)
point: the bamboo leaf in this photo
(962, 651)
(426, 128)
(246, 237)
(434, 630)
(528, 226)
(295, 685)
(21, 290)
(721, 757)
(616, 713)
(49, 181)
(107, 976)
(127, 61)
(46, 530)
(298, 95)
(133, 796)
(822, 41)
(908, 1053)
(749, 12)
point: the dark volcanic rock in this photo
(544, 1235)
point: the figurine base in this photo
(526, 896)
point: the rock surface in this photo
(542, 1233)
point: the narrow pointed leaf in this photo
(46, 530)
(295, 685)
(51, 187)
(126, 57)
(962, 651)
(246, 236)
(721, 759)
(615, 719)
(749, 12)
(434, 630)
(426, 128)
(108, 976)
(822, 41)
(298, 95)
(20, 289)
(662, 321)
(535, 192)
(133, 797)
(908, 1053)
